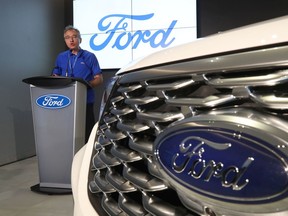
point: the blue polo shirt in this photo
(83, 65)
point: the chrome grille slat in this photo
(264, 80)
(160, 117)
(153, 170)
(97, 162)
(111, 206)
(131, 127)
(117, 99)
(114, 135)
(131, 207)
(169, 85)
(125, 154)
(120, 112)
(141, 146)
(125, 89)
(210, 101)
(103, 141)
(101, 182)
(107, 158)
(142, 179)
(110, 119)
(140, 101)
(119, 182)
(93, 187)
(157, 206)
(271, 101)
(103, 127)
(97, 146)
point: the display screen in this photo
(120, 31)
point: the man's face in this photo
(72, 39)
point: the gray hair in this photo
(70, 27)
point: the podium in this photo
(59, 113)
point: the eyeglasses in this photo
(71, 37)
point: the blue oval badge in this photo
(228, 162)
(53, 101)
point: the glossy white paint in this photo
(255, 35)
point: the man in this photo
(76, 62)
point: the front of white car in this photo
(204, 122)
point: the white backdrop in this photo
(119, 31)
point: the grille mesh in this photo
(123, 170)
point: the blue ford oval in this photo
(224, 164)
(53, 101)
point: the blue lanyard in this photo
(72, 66)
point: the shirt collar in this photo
(78, 54)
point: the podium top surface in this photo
(53, 81)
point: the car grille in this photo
(143, 104)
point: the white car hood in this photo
(255, 35)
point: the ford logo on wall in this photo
(227, 161)
(53, 101)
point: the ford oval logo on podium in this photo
(53, 101)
